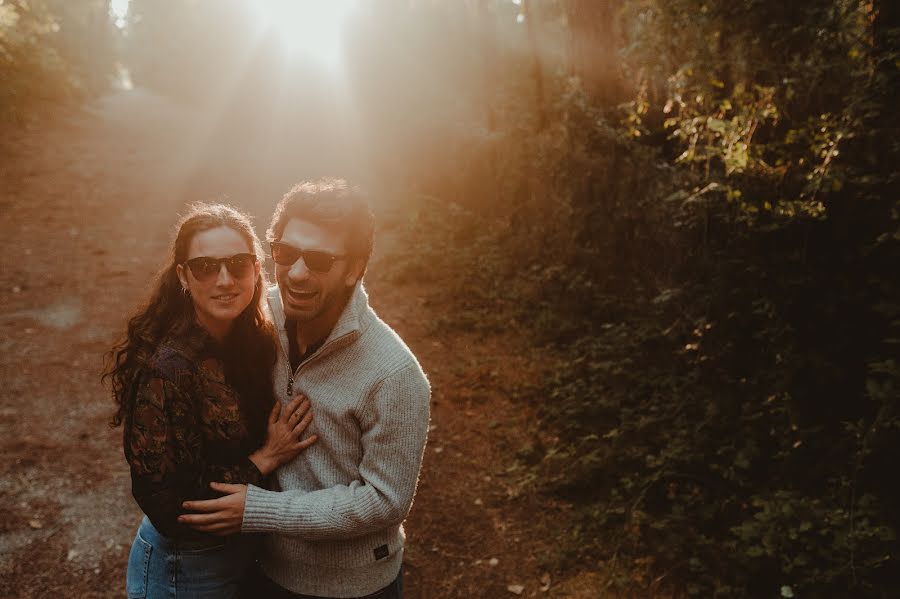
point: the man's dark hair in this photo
(333, 204)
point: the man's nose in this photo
(299, 270)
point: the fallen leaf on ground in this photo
(545, 582)
(515, 589)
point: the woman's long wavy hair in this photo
(250, 348)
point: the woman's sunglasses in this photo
(316, 261)
(205, 268)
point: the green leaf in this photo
(717, 125)
(755, 551)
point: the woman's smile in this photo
(225, 297)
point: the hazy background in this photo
(670, 228)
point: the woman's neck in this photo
(218, 329)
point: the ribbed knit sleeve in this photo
(394, 426)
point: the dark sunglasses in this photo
(316, 261)
(205, 268)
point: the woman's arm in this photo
(169, 463)
(164, 448)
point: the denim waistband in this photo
(156, 538)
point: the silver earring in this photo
(185, 291)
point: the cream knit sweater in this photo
(334, 522)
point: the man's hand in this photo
(222, 516)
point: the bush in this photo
(718, 274)
(52, 51)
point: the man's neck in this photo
(314, 332)
(310, 334)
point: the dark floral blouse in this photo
(185, 429)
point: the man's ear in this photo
(355, 271)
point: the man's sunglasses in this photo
(316, 261)
(205, 268)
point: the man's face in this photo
(309, 294)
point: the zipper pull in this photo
(290, 385)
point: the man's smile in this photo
(296, 295)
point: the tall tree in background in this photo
(594, 48)
(532, 15)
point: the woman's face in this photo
(220, 291)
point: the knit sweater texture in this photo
(334, 519)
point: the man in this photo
(334, 523)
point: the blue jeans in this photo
(159, 567)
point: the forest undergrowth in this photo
(714, 262)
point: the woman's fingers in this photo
(291, 407)
(275, 412)
(298, 414)
(306, 442)
(303, 423)
(289, 410)
(302, 409)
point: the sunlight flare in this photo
(119, 11)
(307, 28)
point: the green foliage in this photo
(719, 275)
(52, 51)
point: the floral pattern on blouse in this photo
(186, 428)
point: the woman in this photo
(192, 382)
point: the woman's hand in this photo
(283, 442)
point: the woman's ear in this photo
(182, 276)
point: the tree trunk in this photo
(485, 28)
(532, 22)
(593, 48)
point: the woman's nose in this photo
(224, 279)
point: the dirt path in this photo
(87, 202)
